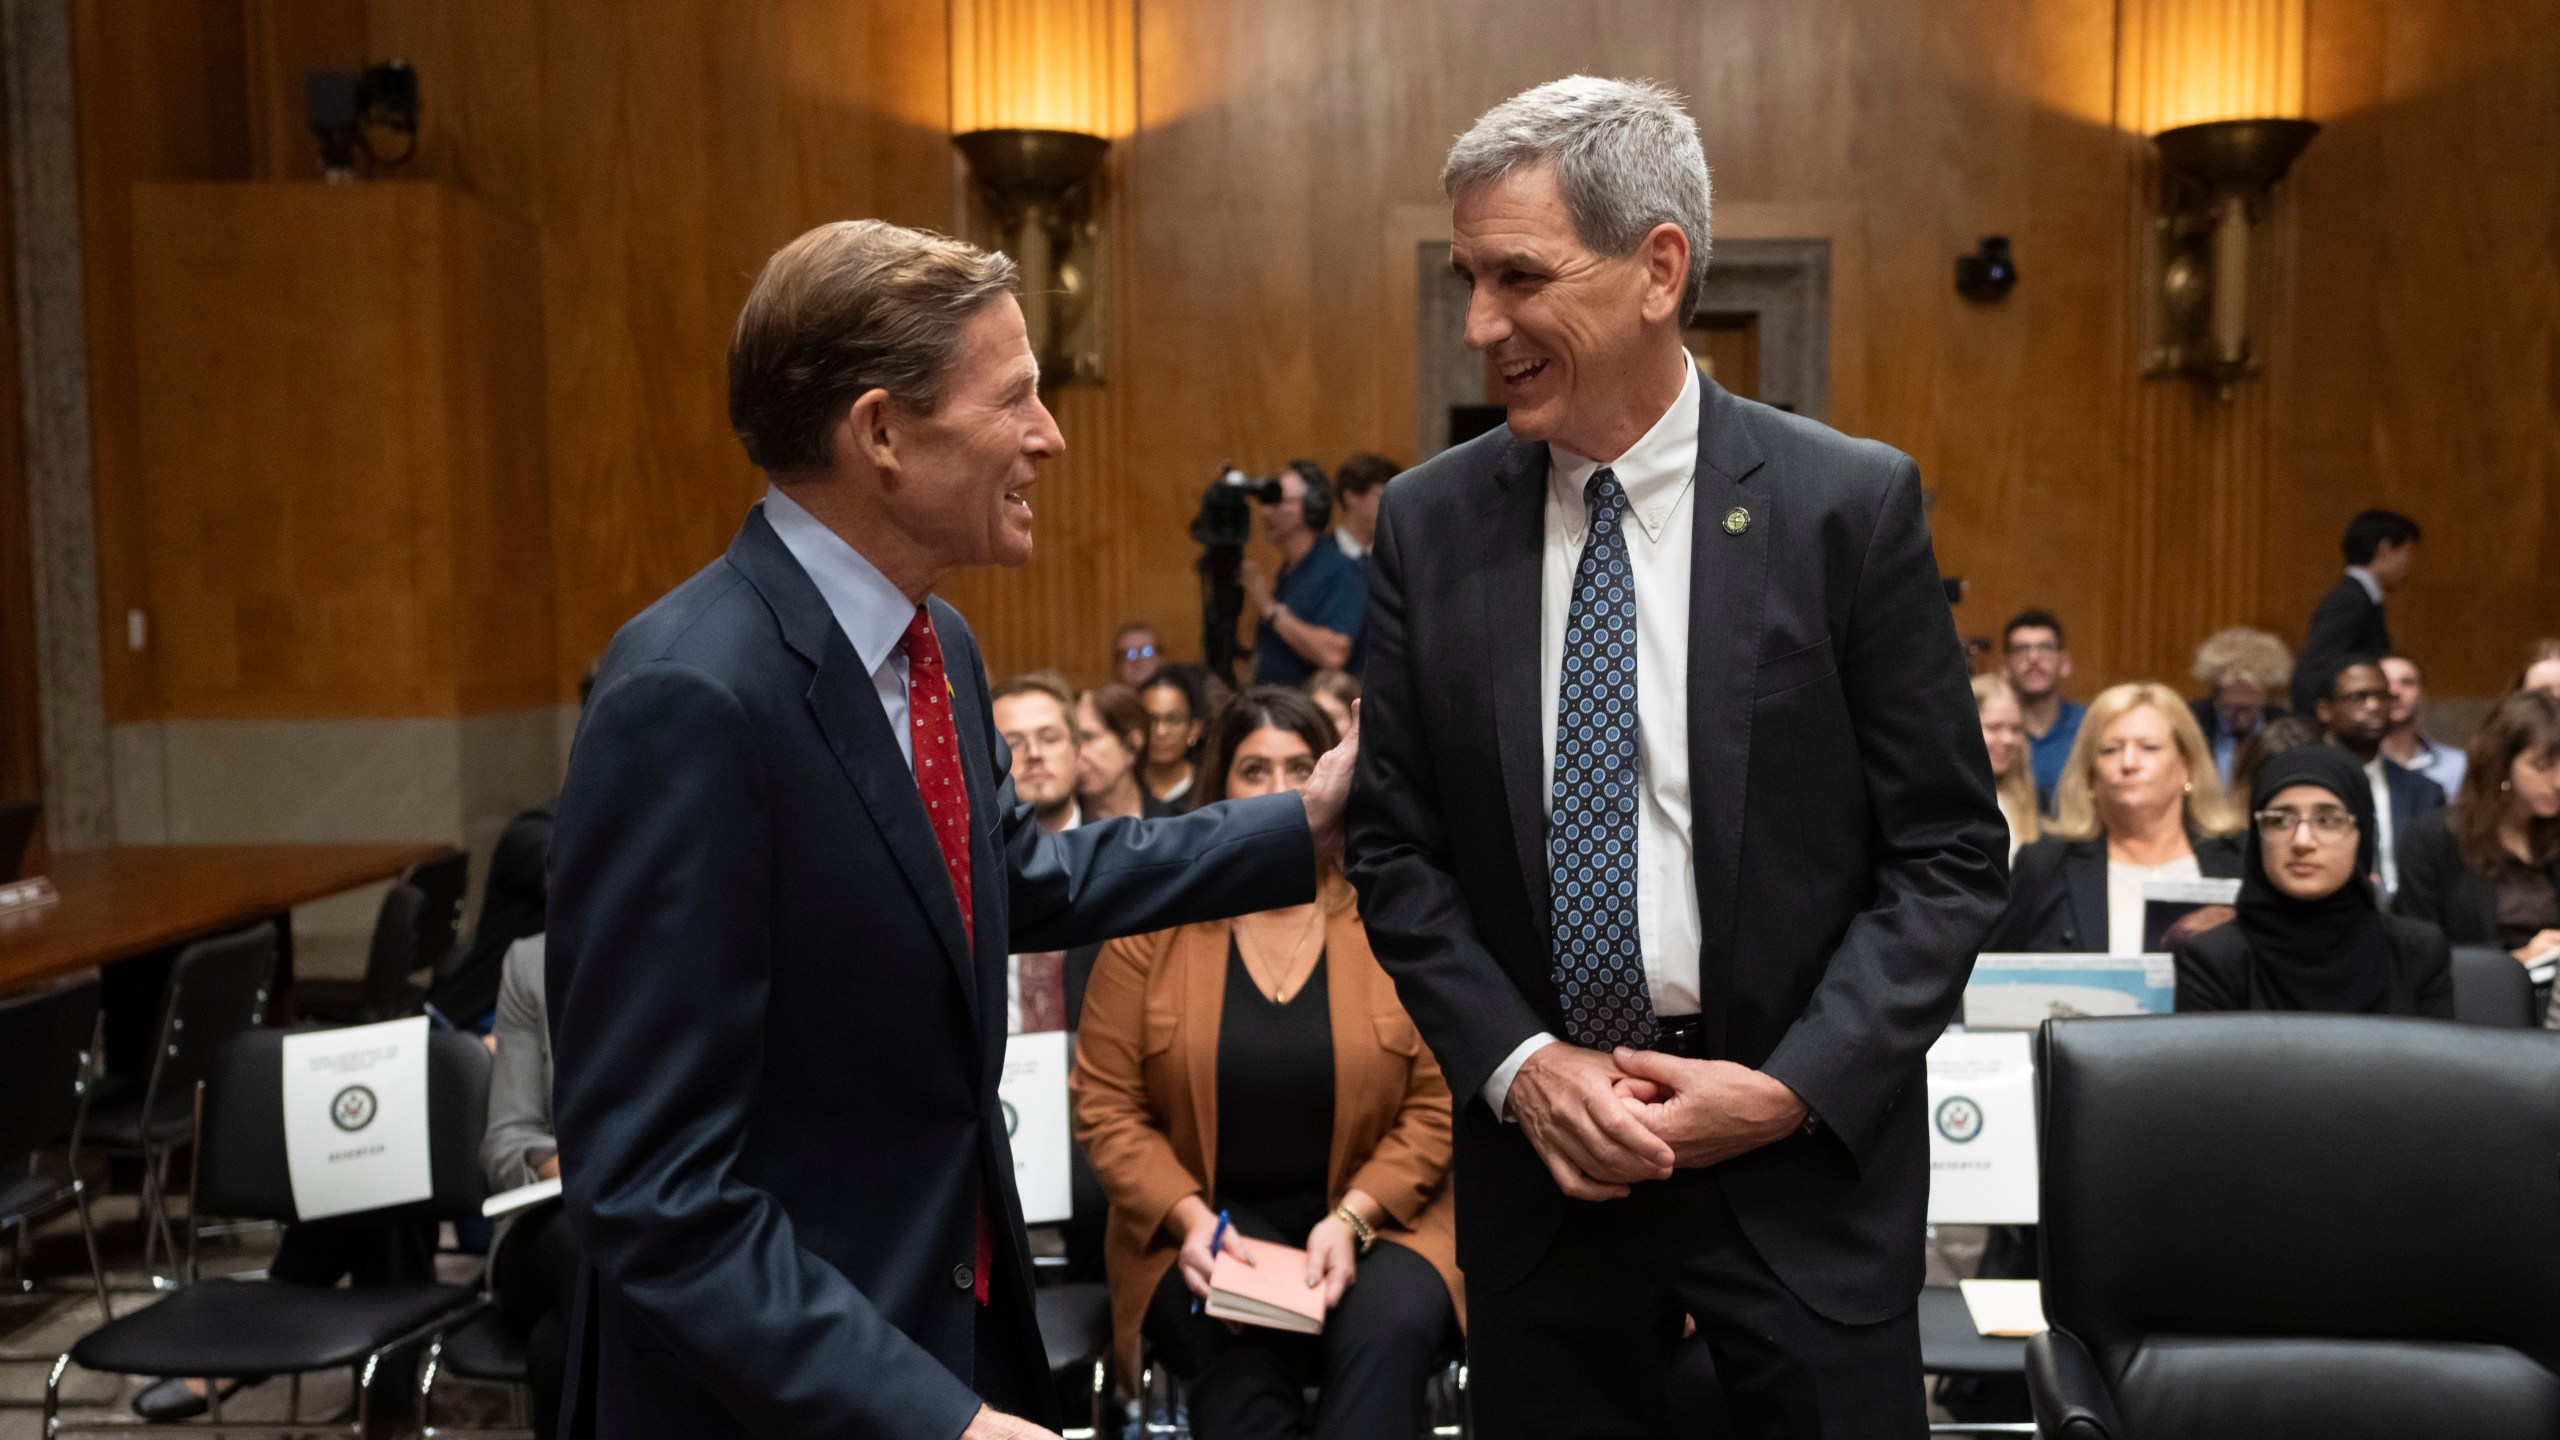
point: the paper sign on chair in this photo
(355, 1118)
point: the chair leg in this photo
(168, 1231)
(53, 1394)
(364, 1396)
(145, 1207)
(89, 1235)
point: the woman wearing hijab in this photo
(2309, 935)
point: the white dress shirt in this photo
(873, 613)
(2364, 577)
(1659, 475)
(1356, 549)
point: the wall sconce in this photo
(1039, 89)
(1038, 187)
(2209, 242)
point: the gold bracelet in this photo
(1361, 1230)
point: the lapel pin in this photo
(1736, 520)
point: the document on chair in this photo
(1982, 1130)
(355, 1118)
(1033, 1091)
(2009, 1308)
(1272, 1291)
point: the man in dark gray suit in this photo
(1673, 824)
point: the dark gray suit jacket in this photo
(2346, 626)
(777, 1046)
(1849, 852)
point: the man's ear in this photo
(2062, 671)
(867, 430)
(1665, 253)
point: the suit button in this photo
(963, 1278)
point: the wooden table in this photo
(132, 900)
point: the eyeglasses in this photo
(1136, 652)
(2328, 822)
(2036, 647)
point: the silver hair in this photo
(1625, 154)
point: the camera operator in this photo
(1313, 610)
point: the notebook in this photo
(2005, 1307)
(1272, 1292)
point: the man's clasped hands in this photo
(1605, 1121)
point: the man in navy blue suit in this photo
(788, 867)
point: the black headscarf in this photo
(2332, 953)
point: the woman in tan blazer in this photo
(1262, 1067)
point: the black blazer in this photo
(2058, 893)
(2216, 971)
(776, 1053)
(2437, 886)
(2347, 625)
(1848, 848)
(2414, 797)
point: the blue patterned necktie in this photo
(1591, 835)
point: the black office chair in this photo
(489, 1350)
(2490, 988)
(217, 988)
(17, 827)
(2280, 1225)
(393, 955)
(1075, 1326)
(227, 1329)
(47, 1043)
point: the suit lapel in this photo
(848, 713)
(1510, 581)
(1728, 586)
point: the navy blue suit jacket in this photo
(777, 1054)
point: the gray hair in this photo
(1625, 154)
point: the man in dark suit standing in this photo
(2348, 624)
(788, 866)
(1674, 825)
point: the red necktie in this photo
(944, 786)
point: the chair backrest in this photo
(440, 883)
(394, 953)
(217, 989)
(17, 827)
(2238, 1210)
(2490, 988)
(243, 1163)
(45, 1043)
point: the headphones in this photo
(1316, 506)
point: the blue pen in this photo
(1217, 1237)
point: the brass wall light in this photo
(2210, 243)
(1038, 186)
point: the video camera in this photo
(1222, 527)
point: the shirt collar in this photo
(2364, 577)
(873, 613)
(1655, 472)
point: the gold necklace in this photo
(1280, 988)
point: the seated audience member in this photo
(1174, 715)
(2138, 802)
(2244, 672)
(1036, 718)
(512, 905)
(1359, 484)
(2004, 734)
(1312, 612)
(2541, 669)
(2355, 711)
(1111, 744)
(1136, 654)
(2273, 738)
(2037, 663)
(2348, 623)
(534, 1269)
(2404, 742)
(2486, 870)
(2310, 934)
(1334, 692)
(1279, 1008)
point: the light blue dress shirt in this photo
(873, 613)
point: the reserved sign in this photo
(355, 1118)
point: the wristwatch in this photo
(1361, 1231)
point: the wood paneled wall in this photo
(21, 722)
(664, 147)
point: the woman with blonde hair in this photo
(2139, 801)
(2004, 735)
(2243, 671)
